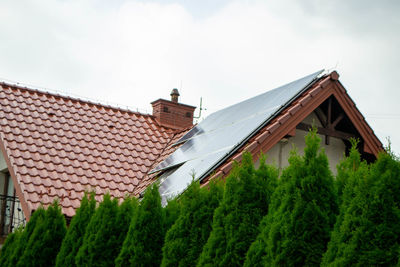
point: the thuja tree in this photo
(369, 233)
(348, 168)
(101, 236)
(257, 251)
(9, 246)
(126, 212)
(74, 237)
(235, 222)
(171, 212)
(350, 176)
(143, 243)
(299, 223)
(21, 242)
(185, 240)
(45, 241)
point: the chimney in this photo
(172, 114)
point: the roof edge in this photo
(77, 99)
(24, 204)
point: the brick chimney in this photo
(173, 114)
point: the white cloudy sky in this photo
(134, 52)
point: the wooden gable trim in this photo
(18, 191)
(326, 131)
(285, 123)
(372, 144)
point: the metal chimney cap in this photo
(175, 92)
(174, 95)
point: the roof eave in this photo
(24, 204)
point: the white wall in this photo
(3, 169)
(3, 165)
(335, 150)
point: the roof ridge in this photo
(87, 101)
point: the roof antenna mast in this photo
(200, 109)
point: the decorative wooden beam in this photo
(321, 116)
(338, 119)
(326, 131)
(329, 115)
(328, 119)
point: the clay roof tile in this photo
(60, 146)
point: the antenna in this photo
(333, 68)
(200, 109)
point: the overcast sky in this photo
(134, 52)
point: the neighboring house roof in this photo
(255, 125)
(58, 147)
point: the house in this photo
(56, 147)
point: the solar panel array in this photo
(221, 133)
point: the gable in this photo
(288, 120)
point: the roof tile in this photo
(60, 147)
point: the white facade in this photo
(278, 155)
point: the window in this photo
(11, 215)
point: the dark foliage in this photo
(100, 237)
(22, 241)
(9, 247)
(45, 241)
(351, 171)
(185, 239)
(297, 228)
(145, 238)
(126, 212)
(257, 251)
(74, 237)
(172, 212)
(235, 222)
(346, 170)
(368, 233)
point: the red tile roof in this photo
(57, 147)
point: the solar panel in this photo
(221, 133)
